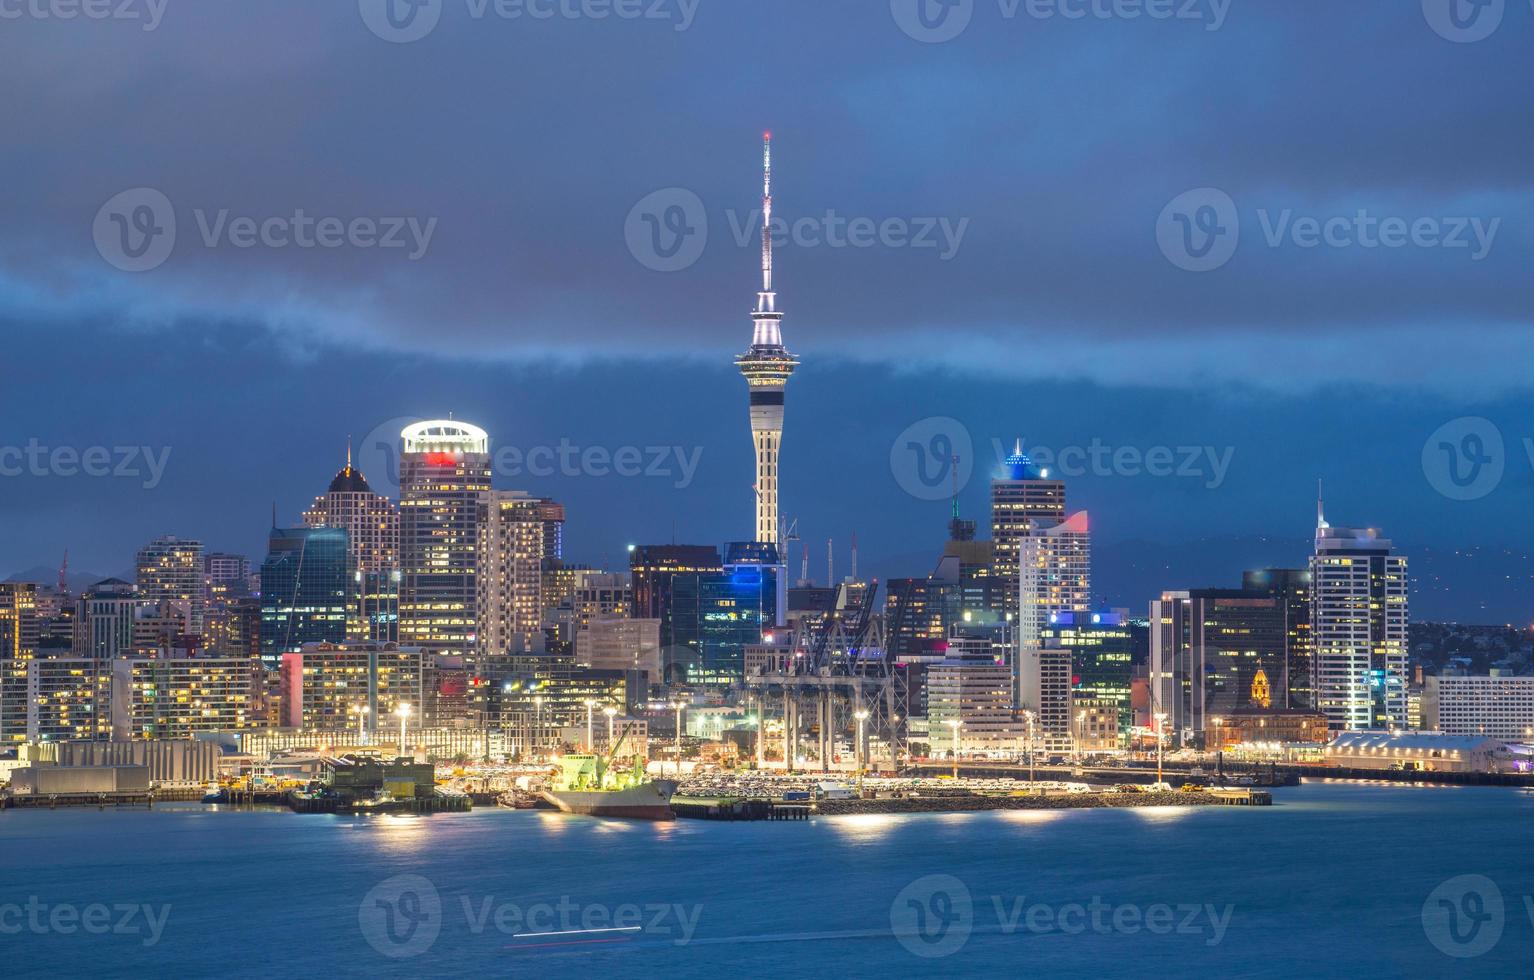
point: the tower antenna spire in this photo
(767, 214)
(1320, 508)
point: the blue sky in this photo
(1043, 157)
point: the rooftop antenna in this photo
(1320, 508)
(854, 556)
(348, 452)
(830, 562)
(767, 332)
(64, 573)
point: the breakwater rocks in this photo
(1060, 801)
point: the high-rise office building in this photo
(1291, 587)
(444, 470)
(1501, 707)
(654, 569)
(170, 570)
(19, 630)
(971, 688)
(371, 522)
(325, 685)
(1101, 646)
(1054, 576)
(513, 536)
(714, 616)
(1213, 652)
(1359, 609)
(1022, 501)
(767, 366)
(104, 618)
(308, 590)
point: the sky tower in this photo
(767, 366)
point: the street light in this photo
(860, 754)
(611, 713)
(361, 711)
(1028, 717)
(404, 716)
(590, 742)
(1081, 731)
(537, 721)
(955, 725)
(677, 706)
(1160, 718)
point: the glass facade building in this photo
(307, 590)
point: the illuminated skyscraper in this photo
(308, 590)
(1358, 628)
(767, 366)
(1023, 499)
(371, 522)
(170, 570)
(444, 470)
(18, 647)
(513, 536)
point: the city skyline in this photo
(988, 327)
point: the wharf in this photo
(725, 808)
(1056, 801)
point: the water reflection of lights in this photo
(399, 833)
(1031, 816)
(863, 828)
(1162, 814)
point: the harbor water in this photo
(1335, 879)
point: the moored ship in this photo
(588, 787)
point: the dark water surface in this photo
(1335, 880)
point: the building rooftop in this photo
(1424, 741)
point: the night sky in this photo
(1024, 258)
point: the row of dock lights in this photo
(611, 713)
(401, 711)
